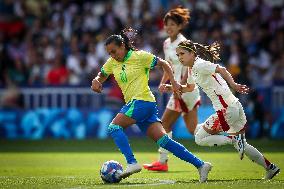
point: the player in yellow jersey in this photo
(130, 68)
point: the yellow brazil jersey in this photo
(132, 74)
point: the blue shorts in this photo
(145, 113)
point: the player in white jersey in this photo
(227, 126)
(175, 20)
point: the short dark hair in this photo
(179, 15)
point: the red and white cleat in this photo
(156, 166)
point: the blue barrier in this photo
(54, 123)
(74, 123)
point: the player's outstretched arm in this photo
(243, 89)
(97, 82)
(168, 70)
(184, 88)
(164, 80)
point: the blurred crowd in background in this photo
(53, 42)
(61, 42)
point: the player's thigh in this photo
(155, 131)
(191, 120)
(235, 117)
(168, 119)
(123, 120)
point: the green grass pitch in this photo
(75, 165)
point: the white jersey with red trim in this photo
(212, 84)
(189, 99)
(170, 55)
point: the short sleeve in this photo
(148, 60)
(205, 67)
(106, 70)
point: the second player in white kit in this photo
(190, 99)
(175, 20)
(227, 125)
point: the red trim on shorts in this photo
(183, 106)
(220, 114)
(198, 103)
(222, 120)
(216, 125)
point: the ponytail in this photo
(209, 53)
(126, 36)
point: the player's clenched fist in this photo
(96, 86)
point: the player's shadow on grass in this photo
(160, 182)
(219, 180)
(167, 172)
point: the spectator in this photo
(92, 59)
(11, 99)
(17, 74)
(279, 70)
(258, 114)
(58, 74)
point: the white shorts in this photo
(189, 101)
(230, 120)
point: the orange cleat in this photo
(156, 166)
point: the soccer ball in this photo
(110, 171)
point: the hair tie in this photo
(187, 48)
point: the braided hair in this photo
(209, 53)
(126, 36)
(179, 15)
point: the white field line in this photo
(156, 182)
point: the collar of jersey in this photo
(177, 41)
(127, 55)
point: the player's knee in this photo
(198, 140)
(201, 142)
(113, 127)
(197, 137)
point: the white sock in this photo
(253, 154)
(164, 154)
